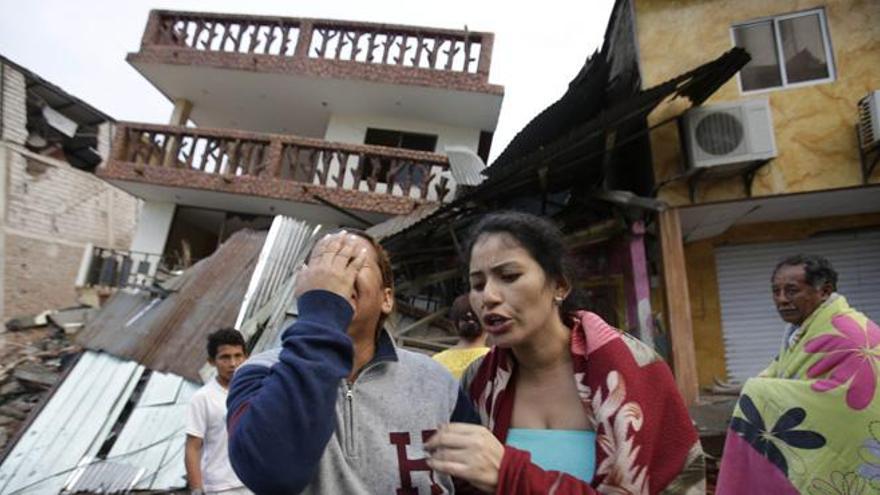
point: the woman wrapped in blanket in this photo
(569, 405)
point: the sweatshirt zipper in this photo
(348, 443)
(349, 419)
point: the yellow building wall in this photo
(703, 283)
(814, 125)
(705, 311)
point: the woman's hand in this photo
(466, 451)
(333, 266)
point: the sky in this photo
(81, 45)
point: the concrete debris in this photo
(72, 319)
(10, 411)
(35, 375)
(25, 322)
(12, 387)
(68, 319)
(32, 360)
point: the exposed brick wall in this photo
(57, 200)
(14, 105)
(39, 275)
(52, 211)
(105, 138)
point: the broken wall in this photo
(50, 212)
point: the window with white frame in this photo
(787, 50)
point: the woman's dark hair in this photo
(817, 270)
(540, 238)
(224, 336)
(468, 329)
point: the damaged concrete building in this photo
(334, 122)
(114, 422)
(328, 123)
(52, 206)
(52, 210)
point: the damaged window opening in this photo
(197, 232)
(56, 128)
(396, 139)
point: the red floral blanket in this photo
(646, 442)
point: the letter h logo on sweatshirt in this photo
(407, 466)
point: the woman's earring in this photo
(558, 300)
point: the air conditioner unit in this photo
(869, 119)
(729, 137)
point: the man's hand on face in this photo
(333, 266)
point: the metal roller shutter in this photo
(751, 327)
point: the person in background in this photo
(471, 338)
(339, 409)
(569, 405)
(207, 462)
(810, 422)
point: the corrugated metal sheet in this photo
(270, 292)
(465, 165)
(573, 143)
(105, 477)
(751, 326)
(58, 449)
(170, 336)
(398, 224)
(153, 437)
(588, 95)
(274, 317)
(72, 425)
(286, 246)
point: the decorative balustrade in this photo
(463, 52)
(440, 50)
(230, 154)
(224, 33)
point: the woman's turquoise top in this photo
(569, 451)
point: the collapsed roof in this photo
(55, 116)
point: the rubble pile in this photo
(31, 362)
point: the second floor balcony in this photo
(273, 174)
(288, 74)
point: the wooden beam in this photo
(413, 344)
(409, 287)
(422, 322)
(678, 305)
